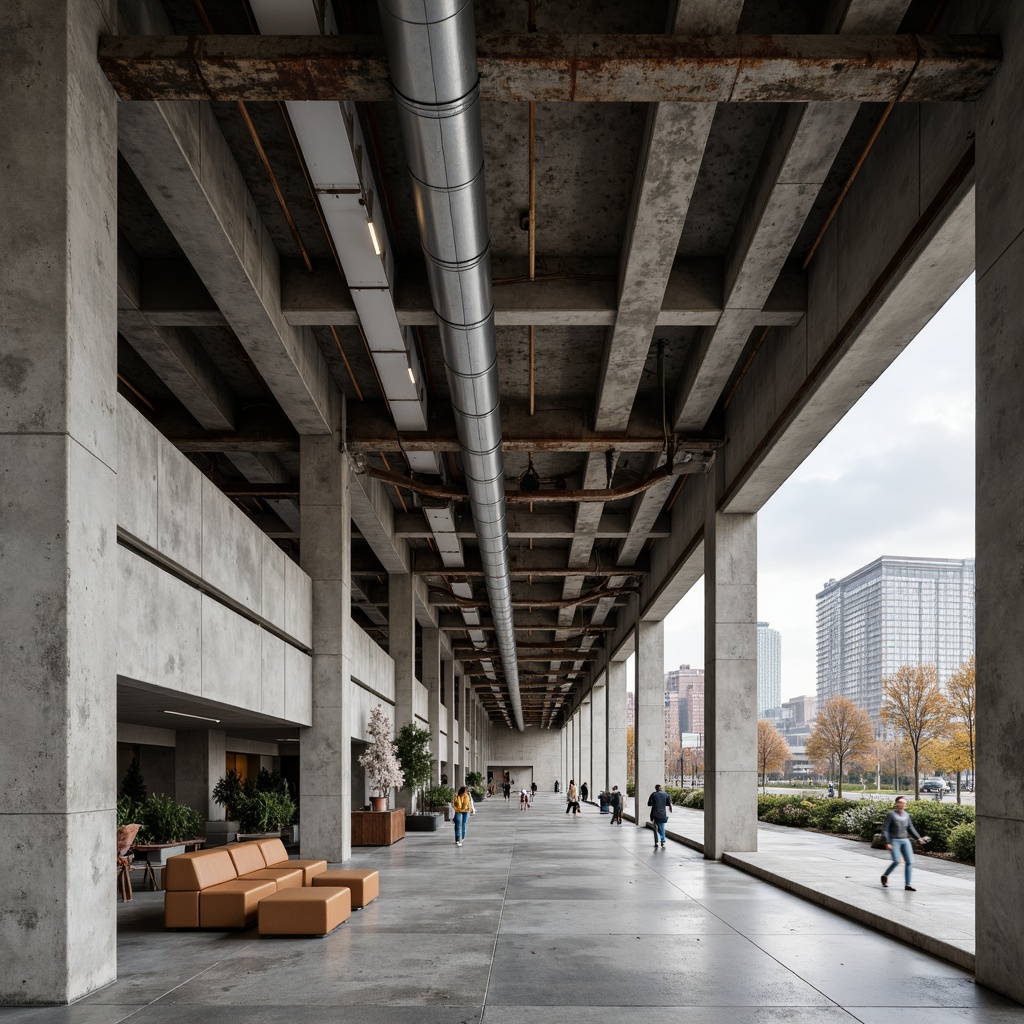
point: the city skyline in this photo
(894, 478)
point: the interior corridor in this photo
(539, 918)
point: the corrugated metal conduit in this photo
(432, 58)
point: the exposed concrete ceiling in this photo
(669, 239)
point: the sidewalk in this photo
(843, 876)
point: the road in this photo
(854, 793)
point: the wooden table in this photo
(377, 828)
(145, 849)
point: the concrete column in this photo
(615, 725)
(463, 732)
(585, 768)
(432, 681)
(649, 714)
(325, 748)
(402, 648)
(200, 758)
(449, 701)
(999, 241)
(730, 681)
(58, 494)
(598, 735)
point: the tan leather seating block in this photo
(276, 855)
(285, 878)
(232, 904)
(189, 872)
(246, 856)
(304, 911)
(365, 885)
(181, 910)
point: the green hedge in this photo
(864, 818)
(961, 842)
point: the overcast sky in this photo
(894, 477)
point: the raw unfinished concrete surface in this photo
(279, 347)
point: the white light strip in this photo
(182, 714)
(373, 237)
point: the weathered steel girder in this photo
(552, 68)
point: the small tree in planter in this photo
(133, 785)
(413, 745)
(380, 762)
(475, 781)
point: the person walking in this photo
(571, 797)
(896, 831)
(584, 792)
(462, 804)
(660, 804)
(533, 791)
(615, 803)
(524, 800)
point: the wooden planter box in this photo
(377, 828)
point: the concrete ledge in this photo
(920, 940)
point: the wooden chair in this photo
(125, 837)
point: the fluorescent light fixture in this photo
(373, 237)
(182, 714)
(412, 376)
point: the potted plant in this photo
(413, 746)
(264, 812)
(438, 798)
(475, 781)
(163, 821)
(380, 761)
(228, 792)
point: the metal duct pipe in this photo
(432, 59)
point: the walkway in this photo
(538, 919)
(843, 875)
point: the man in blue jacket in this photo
(660, 804)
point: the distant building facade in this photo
(893, 612)
(769, 668)
(684, 701)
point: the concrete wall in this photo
(536, 748)
(225, 645)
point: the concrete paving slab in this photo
(539, 919)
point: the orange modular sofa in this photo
(222, 887)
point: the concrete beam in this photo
(554, 68)
(179, 154)
(537, 525)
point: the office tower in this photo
(893, 612)
(769, 668)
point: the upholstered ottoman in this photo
(365, 885)
(304, 911)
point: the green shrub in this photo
(935, 819)
(265, 812)
(961, 842)
(694, 799)
(228, 792)
(677, 795)
(827, 812)
(630, 789)
(863, 819)
(437, 796)
(478, 795)
(133, 785)
(129, 811)
(475, 780)
(164, 820)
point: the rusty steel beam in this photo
(249, 490)
(552, 68)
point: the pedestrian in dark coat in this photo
(660, 804)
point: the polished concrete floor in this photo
(539, 918)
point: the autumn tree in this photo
(960, 695)
(772, 751)
(693, 763)
(630, 754)
(913, 704)
(842, 733)
(674, 757)
(953, 754)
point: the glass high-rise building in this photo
(893, 612)
(769, 668)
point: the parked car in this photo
(934, 786)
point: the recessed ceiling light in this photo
(183, 714)
(373, 237)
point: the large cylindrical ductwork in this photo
(432, 59)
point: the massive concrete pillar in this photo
(649, 714)
(598, 737)
(730, 680)
(432, 681)
(999, 527)
(58, 515)
(585, 749)
(325, 748)
(615, 725)
(200, 758)
(449, 707)
(402, 648)
(460, 772)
